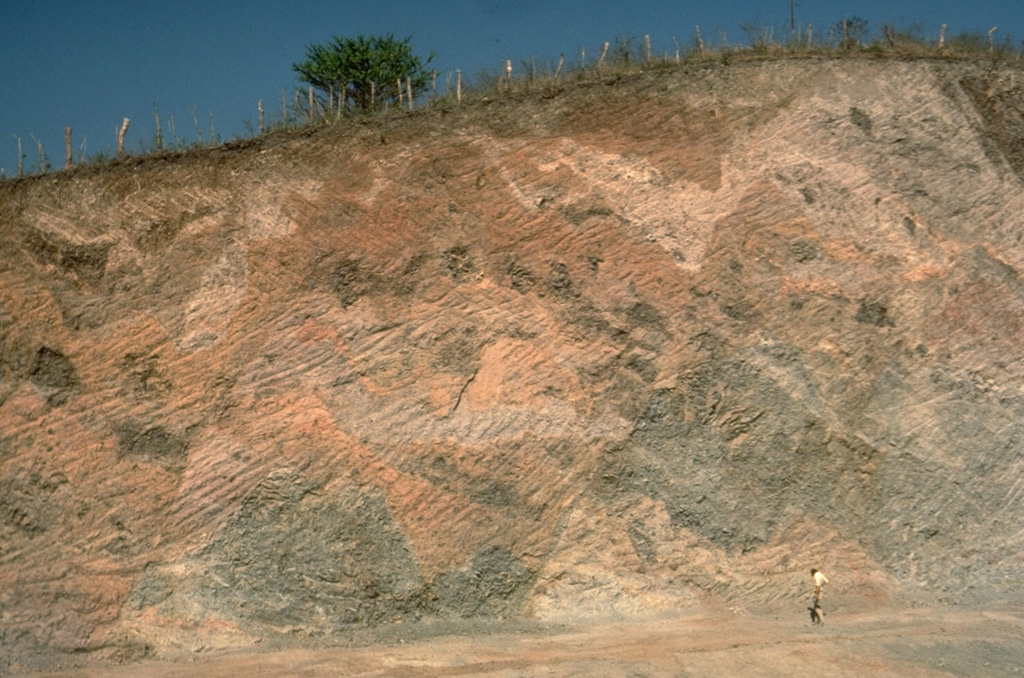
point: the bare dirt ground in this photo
(890, 642)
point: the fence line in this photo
(626, 53)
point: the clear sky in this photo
(89, 63)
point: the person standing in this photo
(820, 580)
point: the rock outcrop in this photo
(620, 347)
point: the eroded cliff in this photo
(619, 347)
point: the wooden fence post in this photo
(158, 134)
(991, 45)
(508, 74)
(647, 44)
(309, 116)
(21, 159)
(942, 36)
(401, 99)
(259, 107)
(458, 87)
(604, 53)
(120, 136)
(408, 89)
(67, 147)
(561, 62)
(173, 130)
(700, 42)
(42, 154)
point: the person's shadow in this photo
(816, 613)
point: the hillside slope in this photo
(630, 346)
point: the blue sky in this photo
(89, 63)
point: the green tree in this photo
(363, 72)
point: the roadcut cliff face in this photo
(622, 347)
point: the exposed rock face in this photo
(621, 348)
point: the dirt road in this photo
(917, 642)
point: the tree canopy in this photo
(364, 71)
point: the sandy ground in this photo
(916, 642)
